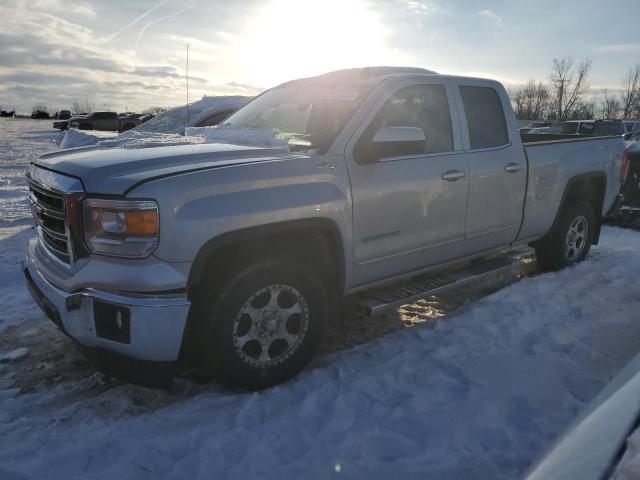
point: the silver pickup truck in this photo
(236, 257)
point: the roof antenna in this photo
(187, 79)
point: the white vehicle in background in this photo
(603, 441)
(166, 127)
(207, 112)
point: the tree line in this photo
(564, 95)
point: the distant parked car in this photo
(8, 113)
(531, 125)
(108, 121)
(64, 124)
(40, 114)
(206, 112)
(127, 122)
(64, 115)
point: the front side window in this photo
(485, 117)
(422, 106)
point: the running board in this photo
(514, 264)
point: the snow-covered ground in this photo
(475, 395)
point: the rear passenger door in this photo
(497, 165)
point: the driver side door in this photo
(409, 209)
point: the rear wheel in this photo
(571, 239)
(265, 324)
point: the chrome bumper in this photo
(156, 322)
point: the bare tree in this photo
(530, 102)
(516, 95)
(584, 110)
(154, 110)
(83, 106)
(568, 85)
(40, 107)
(630, 97)
(609, 105)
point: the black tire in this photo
(219, 355)
(554, 253)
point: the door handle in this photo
(453, 175)
(512, 167)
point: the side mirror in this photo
(395, 142)
(627, 136)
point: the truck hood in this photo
(115, 171)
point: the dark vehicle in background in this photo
(527, 128)
(40, 114)
(631, 125)
(108, 121)
(63, 123)
(631, 176)
(132, 120)
(8, 113)
(587, 127)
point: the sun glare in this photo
(289, 39)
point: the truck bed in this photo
(553, 162)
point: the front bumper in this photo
(155, 323)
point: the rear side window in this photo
(485, 117)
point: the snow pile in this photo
(252, 137)
(14, 355)
(477, 395)
(73, 138)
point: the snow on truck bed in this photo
(479, 394)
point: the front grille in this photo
(48, 208)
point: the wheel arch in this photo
(322, 233)
(590, 187)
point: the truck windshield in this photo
(306, 115)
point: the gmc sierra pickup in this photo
(236, 257)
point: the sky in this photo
(131, 54)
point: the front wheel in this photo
(265, 324)
(571, 238)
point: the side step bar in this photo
(514, 264)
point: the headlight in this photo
(122, 228)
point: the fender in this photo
(599, 175)
(261, 231)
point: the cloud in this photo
(136, 20)
(162, 19)
(49, 59)
(619, 48)
(491, 17)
